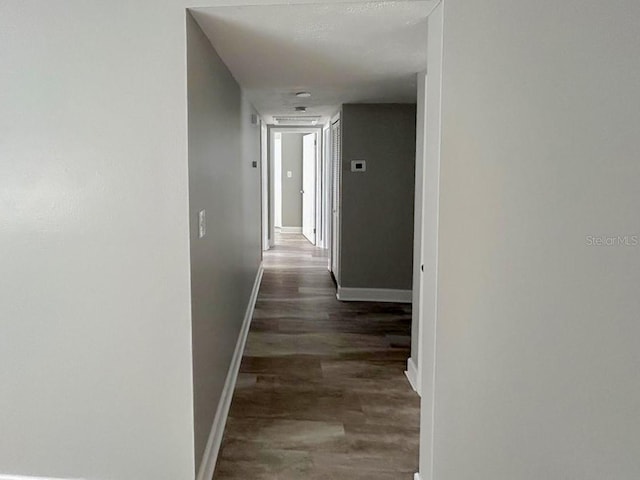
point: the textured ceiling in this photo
(340, 52)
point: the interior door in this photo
(309, 187)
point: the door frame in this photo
(429, 205)
(334, 209)
(271, 131)
(326, 191)
(310, 198)
(264, 185)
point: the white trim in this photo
(428, 330)
(317, 227)
(336, 162)
(417, 310)
(264, 184)
(326, 190)
(373, 295)
(290, 229)
(277, 180)
(412, 375)
(271, 131)
(416, 476)
(272, 186)
(25, 477)
(208, 464)
(310, 200)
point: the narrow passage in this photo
(321, 392)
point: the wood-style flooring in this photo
(322, 392)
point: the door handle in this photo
(301, 191)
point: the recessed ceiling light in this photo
(303, 94)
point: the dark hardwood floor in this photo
(321, 392)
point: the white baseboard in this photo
(208, 464)
(412, 375)
(374, 295)
(416, 476)
(26, 477)
(290, 229)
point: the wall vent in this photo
(296, 120)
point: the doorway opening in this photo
(359, 161)
(295, 186)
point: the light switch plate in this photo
(202, 223)
(289, 174)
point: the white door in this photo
(309, 187)
(277, 180)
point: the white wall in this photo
(95, 338)
(537, 355)
(95, 330)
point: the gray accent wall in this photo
(376, 248)
(291, 187)
(222, 181)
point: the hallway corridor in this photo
(321, 392)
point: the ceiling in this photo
(340, 52)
